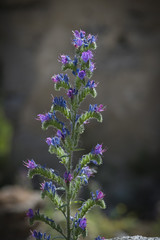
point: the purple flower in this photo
(42, 186)
(30, 213)
(49, 141)
(31, 164)
(72, 92)
(87, 171)
(67, 177)
(86, 56)
(78, 34)
(78, 42)
(91, 38)
(81, 74)
(55, 141)
(60, 77)
(91, 84)
(64, 59)
(99, 195)
(100, 108)
(83, 223)
(91, 66)
(44, 117)
(62, 134)
(55, 78)
(96, 108)
(98, 150)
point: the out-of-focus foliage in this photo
(5, 135)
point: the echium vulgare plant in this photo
(65, 143)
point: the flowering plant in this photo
(65, 143)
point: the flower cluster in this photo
(81, 40)
(48, 186)
(64, 59)
(59, 101)
(40, 236)
(96, 108)
(60, 78)
(55, 141)
(91, 84)
(62, 189)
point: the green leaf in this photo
(65, 111)
(84, 93)
(86, 206)
(51, 123)
(61, 154)
(42, 218)
(90, 157)
(89, 115)
(61, 84)
(47, 173)
(56, 199)
(76, 185)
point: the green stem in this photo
(68, 211)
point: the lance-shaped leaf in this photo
(42, 218)
(61, 154)
(86, 206)
(55, 198)
(86, 159)
(63, 110)
(61, 84)
(79, 130)
(77, 184)
(52, 123)
(68, 66)
(79, 82)
(83, 94)
(89, 115)
(47, 173)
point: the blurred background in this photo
(33, 33)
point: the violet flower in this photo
(44, 117)
(91, 84)
(96, 108)
(64, 59)
(81, 74)
(83, 223)
(98, 150)
(60, 78)
(30, 213)
(67, 177)
(31, 164)
(72, 92)
(86, 56)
